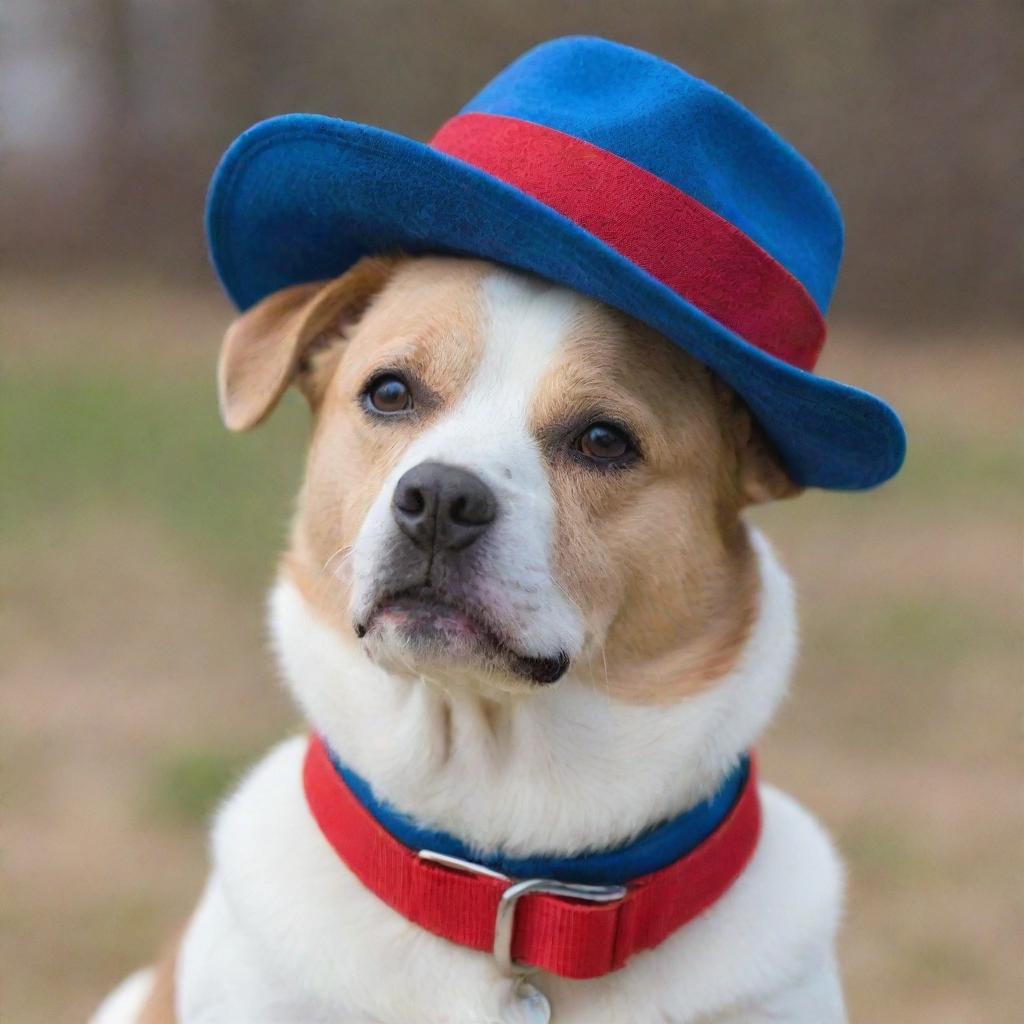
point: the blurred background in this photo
(137, 537)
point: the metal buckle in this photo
(505, 919)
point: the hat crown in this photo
(688, 133)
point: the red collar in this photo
(582, 932)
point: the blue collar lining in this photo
(654, 849)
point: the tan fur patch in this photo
(159, 1008)
(426, 324)
(656, 554)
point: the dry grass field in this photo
(137, 537)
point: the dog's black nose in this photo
(442, 506)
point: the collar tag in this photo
(529, 1004)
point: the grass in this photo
(110, 435)
(137, 537)
(946, 466)
(184, 786)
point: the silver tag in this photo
(531, 1005)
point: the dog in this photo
(527, 621)
(601, 523)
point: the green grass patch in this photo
(962, 464)
(884, 852)
(186, 786)
(74, 443)
(916, 629)
(947, 962)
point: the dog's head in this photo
(507, 479)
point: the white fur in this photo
(564, 769)
(487, 433)
(284, 933)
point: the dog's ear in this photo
(761, 476)
(294, 333)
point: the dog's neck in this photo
(557, 771)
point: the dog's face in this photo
(507, 480)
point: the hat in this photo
(603, 169)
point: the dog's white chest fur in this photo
(285, 933)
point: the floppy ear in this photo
(269, 345)
(761, 475)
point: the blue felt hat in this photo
(609, 171)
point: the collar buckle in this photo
(505, 918)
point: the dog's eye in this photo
(389, 394)
(604, 442)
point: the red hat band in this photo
(676, 239)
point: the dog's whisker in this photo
(343, 552)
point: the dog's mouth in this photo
(435, 626)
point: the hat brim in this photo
(301, 197)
